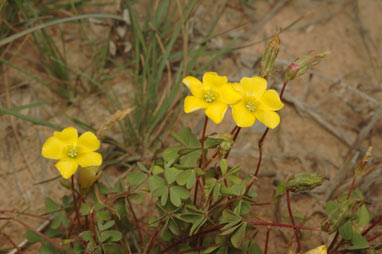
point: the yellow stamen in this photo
(209, 96)
(72, 152)
(251, 106)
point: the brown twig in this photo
(136, 222)
(293, 223)
(152, 240)
(76, 207)
(12, 243)
(266, 241)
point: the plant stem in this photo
(372, 225)
(271, 224)
(266, 241)
(150, 244)
(75, 203)
(201, 162)
(92, 228)
(136, 222)
(57, 246)
(293, 223)
(12, 243)
(234, 139)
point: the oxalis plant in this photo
(202, 203)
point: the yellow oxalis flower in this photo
(72, 150)
(87, 176)
(318, 250)
(256, 103)
(212, 95)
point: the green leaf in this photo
(170, 155)
(330, 207)
(32, 237)
(238, 237)
(186, 138)
(358, 243)
(197, 225)
(136, 178)
(216, 192)
(48, 248)
(181, 192)
(254, 248)
(159, 191)
(224, 166)
(186, 177)
(112, 248)
(142, 167)
(211, 249)
(87, 235)
(111, 235)
(174, 198)
(279, 192)
(60, 219)
(107, 225)
(85, 209)
(103, 190)
(191, 159)
(155, 182)
(51, 206)
(364, 216)
(137, 198)
(164, 197)
(157, 170)
(346, 230)
(212, 142)
(173, 227)
(171, 174)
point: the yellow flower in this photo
(87, 176)
(318, 250)
(212, 95)
(256, 103)
(72, 150)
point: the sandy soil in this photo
(330, 119)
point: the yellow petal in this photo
(229, 95)
(216, 111)
(213, 80)
(318, 250)
(194, 85)
(268, 118)
(192, 103)
(88, 142)
(270, 101)
(53, 148)
(89, 159)
(236, 86)
(242, 116)
(255, 86)
(68, 136)
(67, 167)
(87, 176)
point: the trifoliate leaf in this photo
(170, 155)
(171, 174)
(155, 182)
(346, 231)
(51, 206)
(136, 178)
(358, 243)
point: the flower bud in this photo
(87, 176)
(226, 144)
(304, 182)
(269, 57)
(300, 66)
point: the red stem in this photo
(271, 224)
(150, 244)
(75, 203)
(92, 225)
(266, 241)
(12, 243)
(136, 221)
(351, 187)
(36, 232)
(293, 223)
(374, 237)
(372, 225)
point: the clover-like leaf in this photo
(191, 159)
(346, 231)
(358, 243)
(186, 138)
(238, 237)
(187, 178)
(136, 178)
(156, 182)
(170, 155)
(171, 174)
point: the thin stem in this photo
(372, 225)
(75, 203)
(271, 224)
(283, 89)
(266, 241)
(12, 243)
(331, 246)
(201, 162)
(293, 223)
(351, 187)
(92, 228)
(57, 246)
(136, 222)
(374, 237)
(152, 240)
(234, 139)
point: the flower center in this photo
(209, 96)
(72, 152)
(251, 106)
